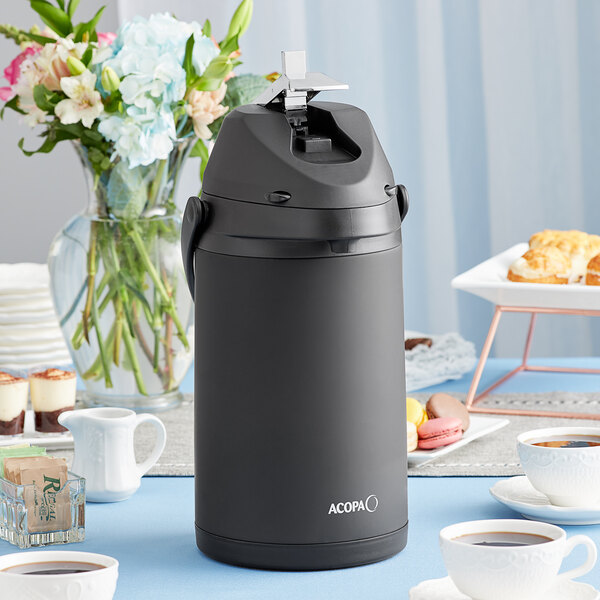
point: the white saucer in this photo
(517, 493)
(444, 589)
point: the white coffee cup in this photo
(99, 584)
(510, 572)
(567, 476)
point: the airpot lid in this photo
(294, 152)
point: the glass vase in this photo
(119, 289)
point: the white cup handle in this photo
(588, 565)
(159, 446)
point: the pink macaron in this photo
(439, 432)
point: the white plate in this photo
(517, 493)
(19, 278)
(444, 589)
(44, 329)
(26, 350)
(55, 441)
(479, 427)
(32, 338)
(16, 363)
(27, 306)
(28, 298)
(488, 280)
(22, 317)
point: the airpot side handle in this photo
(194, 218)
(401, 194)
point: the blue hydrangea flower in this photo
(140, 137)
(147, 55)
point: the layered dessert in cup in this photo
(52, 393)
(14, 392)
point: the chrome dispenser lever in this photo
(296, 87)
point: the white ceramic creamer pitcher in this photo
(104, 452)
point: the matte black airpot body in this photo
(294, 256)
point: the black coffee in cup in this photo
(568, 441)
(502, 538)
(53, 568)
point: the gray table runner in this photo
(496, 454)
(492, 455)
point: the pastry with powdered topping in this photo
(544, 264)
(592, 276)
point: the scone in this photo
(544, 264)
(592, 276)
(576, 248)
(575, 244)
(543, 238)
(593, 248)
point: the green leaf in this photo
(190, 72)
(46, 147)
(45, 99)
(127, 193)
(73, 4)
(73, 131)
(244, 89)
(230, 45)
(100, 161)
(240, 21)
(53, 136)
(206, 28)
(13, 104)
(61, 3)
(201, 150)
(87, 56)
(218, 68)
(40, 39)
(114, 102)
(207, 85)
(56, 18)
(91, 137)
(89, 27)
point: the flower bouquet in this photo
(135, 104)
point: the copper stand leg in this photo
(529, 339)
(473, 399)
(485, 351)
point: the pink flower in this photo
(106, 38)
(13, 72)
(205, 108)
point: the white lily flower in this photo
(84, 103)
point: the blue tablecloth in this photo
(152, 534)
